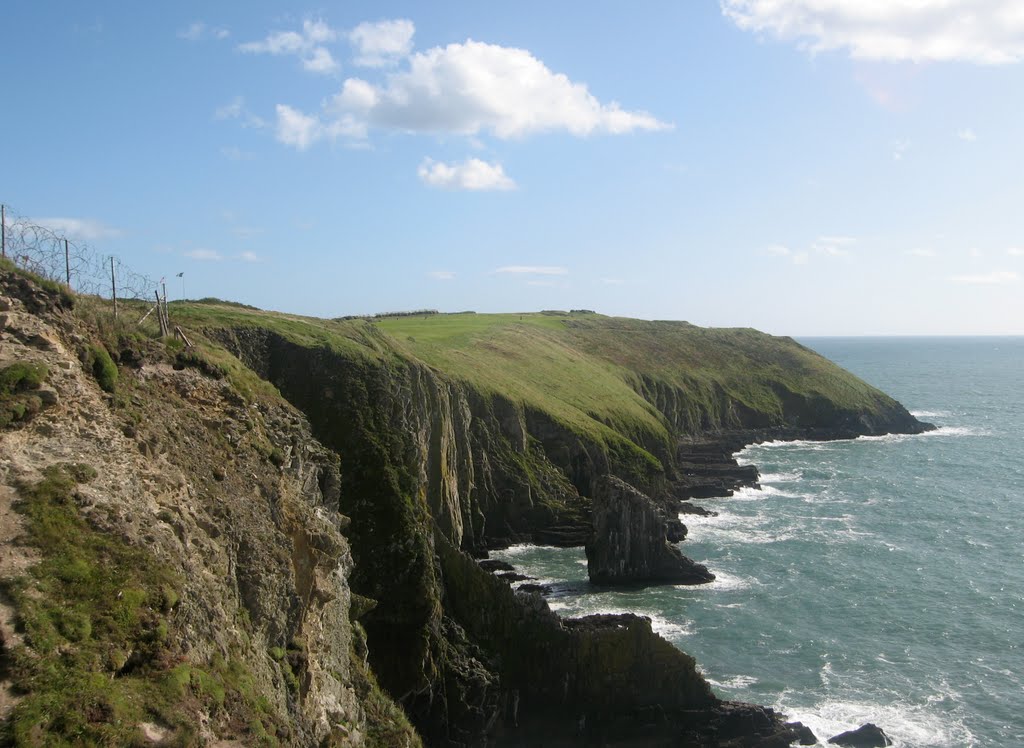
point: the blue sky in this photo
(806, 167)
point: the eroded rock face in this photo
(630, 544)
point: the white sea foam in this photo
(781, 477)
(724, 581)
(585, 606)
(909, 725)
(930, 413)
(734, 683)
(518, 550)
(941, 431)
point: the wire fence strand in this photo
(46, 252)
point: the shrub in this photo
(103, 368)
(21, 376)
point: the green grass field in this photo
(591, 373)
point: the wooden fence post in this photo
(160, 316)
(113, 285)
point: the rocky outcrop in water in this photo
(865, 736)
(630, 543)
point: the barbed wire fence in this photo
(75, 263)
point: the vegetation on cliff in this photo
(298, 496)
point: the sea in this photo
(879, 579)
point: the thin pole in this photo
(167, 314)
(113, 286)
(67, 263)
(160, 315)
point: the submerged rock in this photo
(865, 736)
(631, 544)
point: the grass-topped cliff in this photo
(247, 466)
(633, 386)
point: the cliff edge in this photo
(267, 535)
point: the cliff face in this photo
(312, 539)
(174, 569)
(630, 542)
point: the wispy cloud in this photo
(967, 134)
(472, 174)
(308, 45)
(248, 257)
(204, 255)
(612, 281)
(996, 277)
(383, 43)
(533, 270)
(199, 30)
(441, 275)
(833, 246)
(989, 33)
(236, 109)
(1015, 251)
(87, 229)
(779, 250)
(921, 252)
(899, 148)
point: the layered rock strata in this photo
(631, 541)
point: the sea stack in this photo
(630, 544)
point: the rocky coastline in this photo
(326, 502)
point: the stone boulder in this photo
(865, 736)
(630, 542)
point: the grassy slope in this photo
(584, 370)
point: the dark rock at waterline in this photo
(675, 530)
(804, 733)
(686, 507)
(630, 542)
(865, 736)
(539, 589)
(493, 564)
(514, 576)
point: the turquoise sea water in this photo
(879, 579)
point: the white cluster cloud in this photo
(87, 229)
(199, 30)
(987, 32)
(308, 45)
(476, 87)
(382, 43)
(472, 174)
